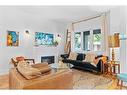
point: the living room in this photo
(54, 21)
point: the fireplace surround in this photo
(49, 59)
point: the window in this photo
(97, 40)
(77, 37)
(86, 40)
(89, 40)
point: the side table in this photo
(111, 68)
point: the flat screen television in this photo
(43, 38)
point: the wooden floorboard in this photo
(4, 81)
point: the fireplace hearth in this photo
(49, 59)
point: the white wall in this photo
(12, 19)
(49, 51)
(118, 24)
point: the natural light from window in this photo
(77, 40)
(90, 40)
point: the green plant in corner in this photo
(55, 43)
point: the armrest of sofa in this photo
(100, 66)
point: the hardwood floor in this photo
(4, 81)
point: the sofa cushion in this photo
(28, 71)
(73, 56)
(80, 56)
(42, 67)
(90, 57)
(86, 66)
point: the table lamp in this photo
(114, 43)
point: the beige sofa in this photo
(51, 80)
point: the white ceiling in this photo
(62, 13)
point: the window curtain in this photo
(69, 44)
(105, 32)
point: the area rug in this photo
(87, 80)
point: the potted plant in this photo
(55, 43)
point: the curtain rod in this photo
(87, 19)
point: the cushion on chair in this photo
(40, 64)
(20, 58)
(27, 70)
(42, 67)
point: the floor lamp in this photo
(114, 43)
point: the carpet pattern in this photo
(87, 80)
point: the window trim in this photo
(74, 41)
(91, 41)
(83, 40)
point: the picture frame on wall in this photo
(44, 38)
(12, 38)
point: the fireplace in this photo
(49, 59)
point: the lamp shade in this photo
(114, 41)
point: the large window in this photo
(77, 40)
(86, 40)
(97, 40)
(89, 40)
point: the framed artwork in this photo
(12, 38)
(44, 38)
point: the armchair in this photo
(51, 80)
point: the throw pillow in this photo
(90, 57)
(72, 56)
(104, 59)
(27, 70)
(20, 58)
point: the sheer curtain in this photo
(101, 21)
(105, 28)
